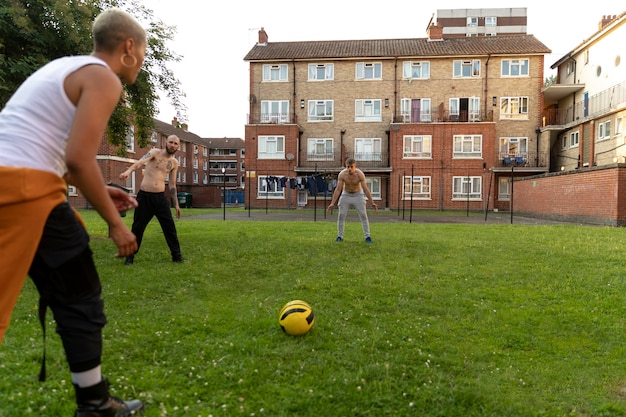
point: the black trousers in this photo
(65, 275)
(151, 205)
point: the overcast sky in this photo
(214, 36)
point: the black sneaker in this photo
(129, 260)
(95, 401)
(178, 259)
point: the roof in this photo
(168, 129)
(388, 48)
(223, 143)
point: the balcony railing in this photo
(444, 116)
(272, 118)
(523, 159)
(594, 106)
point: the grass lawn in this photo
(430, 320)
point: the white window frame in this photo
(473, 111)
(467, 188)
(466, 68)
(514, 108)
(369, 71)
(269, 189)
(417, 187)
(619, 125)
(574, 139)
(275, 73)
(368, 149)
(368, 110)
(274, 111)
(321, 110)
(154, 137)
(417, 147)
(195, 177)
(514, 146)
(467, 146)
(504, 188)
(321, 72)
(472, 21)
(320, 149)
(130, 139)
(373, 184)
(416, 70)
(604, 130)
(195, 162)
(515, 68)
(491, 21)
(271, 147)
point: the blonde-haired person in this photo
(50, 131)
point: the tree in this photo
(34, 32)
(551, 80)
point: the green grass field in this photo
(430, 320)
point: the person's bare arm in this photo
(95, 91)
(134, 167)
(367, 192)
(337, 193)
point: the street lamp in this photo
(224, 189)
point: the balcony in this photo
(595, 106)
(523, 159)
(272, 118)
(444, 116)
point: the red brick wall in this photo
(594, 195)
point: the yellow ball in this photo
(296, 318)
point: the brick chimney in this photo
(174, 121)
(606, 19)
(262, 37)
(435, 33)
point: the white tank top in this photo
(36, 121)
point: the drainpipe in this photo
(486, 86)
(343, 132)
(293, 105)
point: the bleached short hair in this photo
(113, 26)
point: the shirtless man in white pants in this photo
(352, 191)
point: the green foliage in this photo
(34, 32)
(430, 320)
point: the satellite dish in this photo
(289, 157)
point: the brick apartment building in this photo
(442, 122)
(200, 162)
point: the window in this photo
(204, 151)
(320, 110)
(512, 147)
(205, 179)
(514, 108)
(195, 177)
(466, 69)
(467, 146)
(369, 71)
(416, 70)
(570, 66)
(130, 139)
(604, 130)
(514, 68)
(464, 109)
(367, 149)
(504, 187)
(415, 110)
(205, 164)
(368, 110)
(274, 111)
(275, 72)
(271, 147)
(416, 188)
(619, 125)
(269, 187)
(195, 163)
(321, 72)
(573, 139)
(466, 187)
(417, 146)
(491, 21)
(472, 21)
(154, 137)
(564, 142)
(320, 149)
(373, 184)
